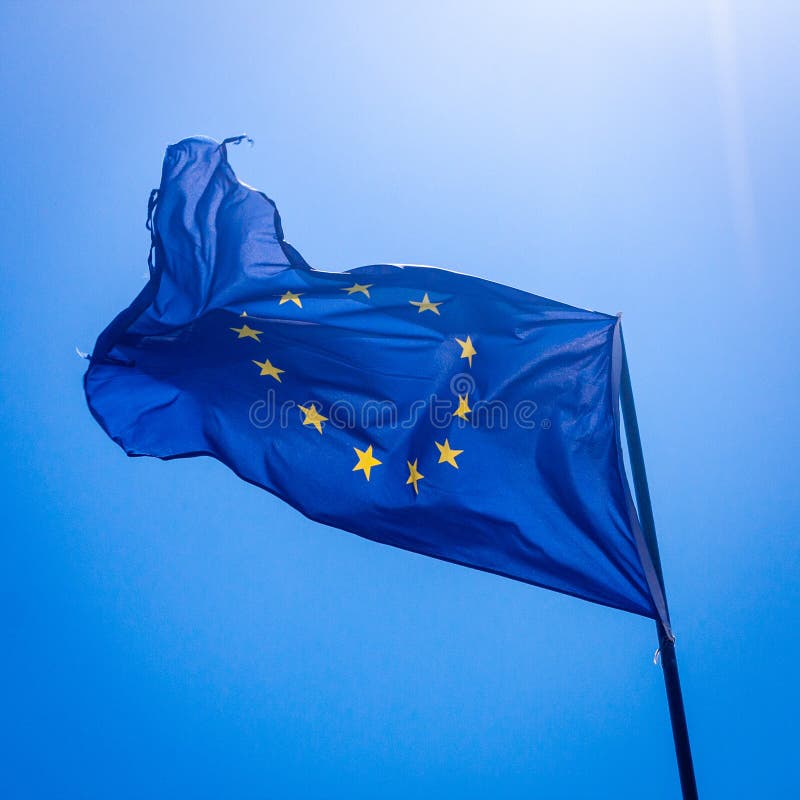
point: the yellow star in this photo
(467, 349)
(414, 475)
(295, 298)
(366, 461)
(267, 368)
(313, 417)
(246, 332)
(463, 407)
(358, 287)
(243, 314)
(425, 304)
(446, 453)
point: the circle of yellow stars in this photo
(312, 416)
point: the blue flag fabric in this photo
(432, 411)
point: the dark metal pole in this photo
(669, 662)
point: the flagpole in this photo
(669, 661)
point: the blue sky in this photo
(171, 631)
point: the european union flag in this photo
(422, 408)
